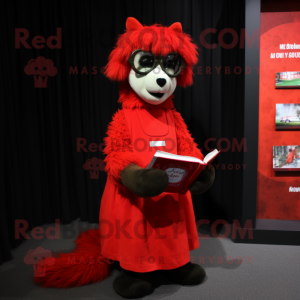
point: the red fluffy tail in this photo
(84, 265)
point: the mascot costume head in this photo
(141, 226)
(136, 60)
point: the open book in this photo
(182, 170)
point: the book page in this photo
(177, 157)
(210, 155)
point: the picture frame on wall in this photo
(287, 80)
(286, 158)
(287, 116)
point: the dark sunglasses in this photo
(144, 62)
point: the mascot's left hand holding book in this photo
(142, 227)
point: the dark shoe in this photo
(131, 285)
(185, 275)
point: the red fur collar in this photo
(130, 99)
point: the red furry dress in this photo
(145, 234)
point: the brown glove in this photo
(203, 181)
(144, 183)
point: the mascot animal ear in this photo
(133, 24)
(176, 27)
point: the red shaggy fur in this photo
(160, 41)
(118, 148)
(84, 265)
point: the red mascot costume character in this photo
(142, 227)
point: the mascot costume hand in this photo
(142, 227)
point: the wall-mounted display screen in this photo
(287, 116)
(286, 158)
(286, 80)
